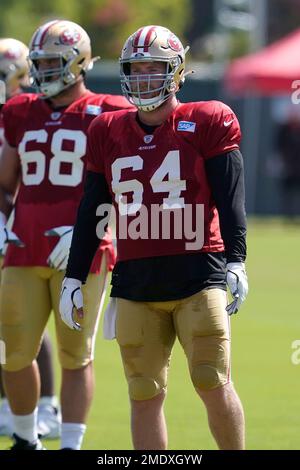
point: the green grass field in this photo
(262, 370)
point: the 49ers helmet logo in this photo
(174, 43)
(12, 53)
(69, 37)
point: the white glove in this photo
(7, 236)
(236, 279)
(58, 258)
(71, 299)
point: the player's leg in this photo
(5, 412)
(225, 416)
(45, 363)
(24, 311)
(145, 334)
(202, 325)
(76, 353)
(49, 418)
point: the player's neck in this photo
(159, 115)
(69, 95)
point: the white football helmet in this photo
(67, 42)
(13, 65)
(149, 44)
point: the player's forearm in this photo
(226, 177)
(6, 204)
(85, 239)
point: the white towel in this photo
(109, 320)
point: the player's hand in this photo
(71, 302)
(236, 279)
(7, 236)
(58, 258)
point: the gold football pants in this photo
(146, 332)
(27, 297)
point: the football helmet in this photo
(63, 40)
(13, 65)
(149, 44)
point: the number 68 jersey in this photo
(51, 145)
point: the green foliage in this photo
(108, 22)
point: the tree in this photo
(108, 22)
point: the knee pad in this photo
(17, 350)
(143, 388)
(206, 377)
(15, 361)
(71, 361)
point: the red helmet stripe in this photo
(39, 36)
(34, 40)
(136, 40)
(142, 39)
(47, 27)
(147, 39)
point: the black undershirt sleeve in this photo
(225, 175)
(85, 240)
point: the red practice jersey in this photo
(166, 169)
(51, 146)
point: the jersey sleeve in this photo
(117, 102)
(13, 113)
(222, 133)
(95, 145)
(9, 124)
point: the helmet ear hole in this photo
(181, 83)
(126, 68)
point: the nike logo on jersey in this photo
(186, 126)
(228, 123)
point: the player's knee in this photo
(69, 360)
(143, 388)
(206, 377)
(17, 360)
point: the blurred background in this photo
(246, 53)
(219, 32)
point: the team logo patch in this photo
(93, 109)
(148, 139)
(55, 116)
(174, 43)
(186, 126)
(69, 37)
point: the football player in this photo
(44, 153)
(184, 159)
(14, 76)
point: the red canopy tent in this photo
(270, 71)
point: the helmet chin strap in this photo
(149, 104)
(56, 91)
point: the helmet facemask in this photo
(14, 80)
(136, 87)
(43, 81)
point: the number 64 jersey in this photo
(51, 145)
(158, 182)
